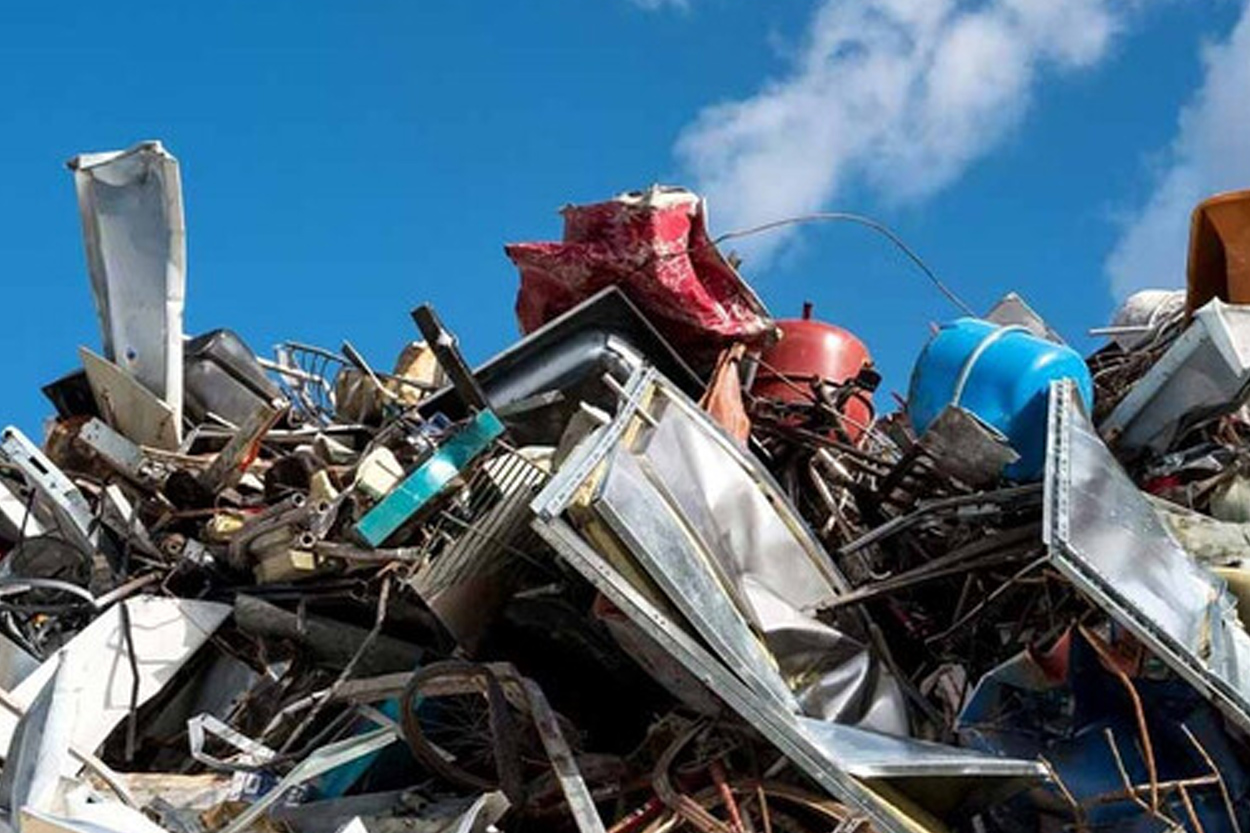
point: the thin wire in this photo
(132, 716)
(846, 216)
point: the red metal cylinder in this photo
(810, 351)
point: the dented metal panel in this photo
(134, 233)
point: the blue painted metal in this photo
(380, 522)
(1002, 375)
(1064, 707)
(336, 782)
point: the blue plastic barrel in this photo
(1000, 374)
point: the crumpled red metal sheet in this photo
(654, 245)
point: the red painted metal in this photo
(808, 351)
(654, 245)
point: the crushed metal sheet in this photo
(166, 631)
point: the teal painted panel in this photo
(380, 522)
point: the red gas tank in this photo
(811, 351)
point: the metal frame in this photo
(581, 464)
(793, 736)
(1230, 642)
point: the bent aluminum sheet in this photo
(598, 462)
(715, 533)
(647, 525)
(713, 529)
(135, 236)
(1105, 536)
(735, 510)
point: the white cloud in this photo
(898, 95)
(1211, 153)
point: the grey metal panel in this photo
(1106, 538)
(116, 450)
(42, 475)
(15, 664)
(140, 415)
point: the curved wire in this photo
(860, 219)
(34, 583)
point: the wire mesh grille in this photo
(307, 376)
(484, 529)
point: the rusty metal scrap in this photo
(600, 583)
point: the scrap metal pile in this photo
(659, 565)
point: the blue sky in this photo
(342, 164)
